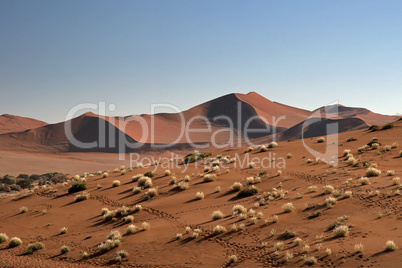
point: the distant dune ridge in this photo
(25, 134)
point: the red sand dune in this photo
(12, 123)
(371, 217)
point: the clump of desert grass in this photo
(341, 231)
(209, 178)
(218, 229)
(320, 140)
(249, 149)
(151, 193)
(145, 182)
(128, 219)
(328, 251)
(233, 259)
(116, 183)
(364, 181)
(64, 249)
(238, 209)
(396, 181)
(312, 189)
(34, 247)
(179, 236)
(330, 201)
(109, 244)
(251, 165)
(137, 190)
(359, 248)
(297, 241)
(23, 209)
(279, 173)
(181, 186)
(390, 172)
(168, 173)
(278, 246)
(288, 207)
(328, 189)
(199, 196)
(63, 230)
(372, 172)
(216, 215)
(132, 228)
(135, 178)
(3, 238)
(309, 260)
(14, 242)
(81, 197)
(390, 246)
(145, 226)
(236, 187)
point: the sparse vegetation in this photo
(209, 177)
(145, 182)
(34, 247)
(131, 229)
(312, 189)
(328, 189)
(309, 260)
(77, 187)
(390, 172)
(341, 231)
(3, 238)
(390, 246)
(359, 248)
(81, 197)
(364, 181)
(387, 126)
(14, 242)
(320, 140)
(199, 195)
(236, 186)
(23, 209)
(233, 258)
(218, 229)
(373, 172)
(288, 207)
(145, 226)
(116, 183)
(151, 193)
(248, 191)
(64, 249)
(216, 215)
(63, 230)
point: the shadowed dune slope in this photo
(12, 123)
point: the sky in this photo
(55, 55)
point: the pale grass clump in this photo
(272, 145)
(34, 247)
(115, 234)
(63, 230)
(251, 165)
(373, 172)
(179, 236)
(253, 220)
(122, 253)
(188, 229)
(242, 216)
(187, 178)
(272, 233)
(217, 189)
(131, 229)
(108, 245)
(233, 259)
(309, 260)
(105, 175)
(128, 219)
(320, 140)
(236, 187)
(297, 241)
(396, 181)
(289, 155)
(329, 201)
(218, 229)
(390, 172)
(346, 152)
(279, 173)
(137, 208)
(364, 181)
(238, 209)
(199, 196)
(309, 161)
(359, 248)
(288, 256)
(3, 238)
(341, 231)
(328, 189)
(209, 177)
(145, 226)
(390, 246)
(23, 209)
(14, 242)
(278, 246)
(64, 249)
(167, 172)
(216, 215)
(137, 190)
(151, 193)
(328, 252)
(251, 213)
(145, 182)
(123, 172)
(135, 178)
(312, 189)
(116, 183)
(288, 207)
(81, 197)
(274, 218)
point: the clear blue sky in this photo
(56, 54)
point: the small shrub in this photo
(373, 128)
(81, 197)
(3, 238)
(390, 246)
(251, 165)
(320, 140)
(372, 172)
(341, 231)
(248, 191)
(328, 189)
(298, 241)
(149, 174)
(312, 189)
(278, 246)
(137, 190)
(209, 177)
(288, 207)
(116, 183)
(359, 248)
(108, 245)
(387, 126)
(131, 229)
(145, 182)
(23, 209)
(275, 218)
(218, 229)
(236, 187)
(233, 258)
(77, 187)
(396, 181)
(364, 181)
(272, 145)
(309, 161)
(216, 215)
(309, 260)
(145, 226)
(63, 230)
(151, 193)
(347, 194)
(167, 172)
(288, 256)
(217, 189)
(288, 234)
(329, 201)
(238, 209)
(85, 255)
(34, 247)
(179, 235)
(128, 219)
(279, 173)
(115, 234)
(135, 178)
(390, 172)
(64, 249)
(123, 172)
(199, 195)
(14, 242)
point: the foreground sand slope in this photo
(372, 218)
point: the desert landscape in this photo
(269, 205)
(154, 133)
